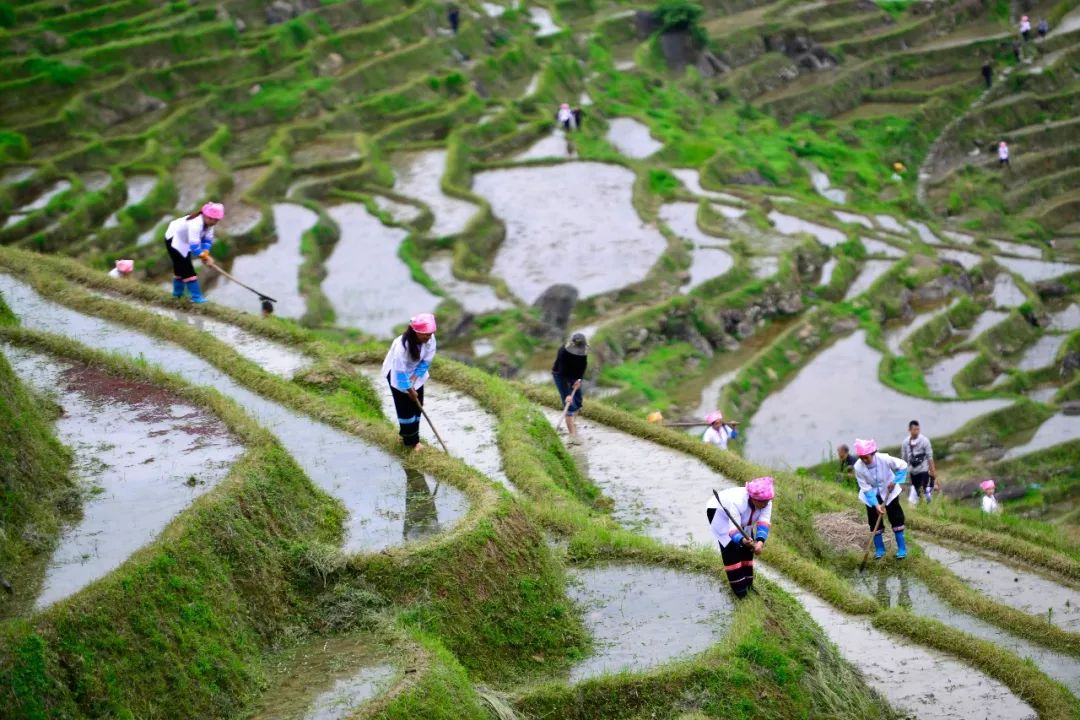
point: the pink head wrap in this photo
(865, 447)
(125, 266)
(987, 485)
(760, 488)
(213, 210)
(1024, 18)
(713, 417)
(423, 323)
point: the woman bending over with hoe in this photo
(406, 368)
(881, 479)
(719, 432)
(187, 237)
(739, 519)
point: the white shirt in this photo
(990, 504)
(737, 502)
(1025, 26)
(183, 233)
(1003, 152)
(878, 475)
(399, 363)
(717, 437)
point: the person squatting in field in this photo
(186, 238)
(751, 509)
(881, 478)
(406, 368)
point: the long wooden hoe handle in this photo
(432, 426)
(866, 555)
(566, 405)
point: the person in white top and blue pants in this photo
(881, 478)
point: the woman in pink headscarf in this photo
(719, 432)
(739, 519)
(406, 369)
(881, 478)
(188, 237)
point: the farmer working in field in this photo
(567, 372)
(918, 453)
(847, 462)
(880, 478)
(566, 118)
(406, 370)
(739, 519)
(187, 237)
(719, 432)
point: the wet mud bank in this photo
(389, 506)
(141, 457)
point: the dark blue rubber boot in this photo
(177, 288)
(196, 292)
(879, 546)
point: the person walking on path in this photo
(989, 502)
(751, 508)
(1025, 28)
(988, 72)
(1003, 154)
(719, 432)
(406, 369)
(567, 371)
(187, 237)
(918, 453)
(1042, 28)
(881, 478)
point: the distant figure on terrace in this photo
(719, 432)
(1042, 28)
(453, 15)
(188, 237)
(123, 269)
(918, 453)
(1025, 28)
(988, 72)
(1003, 154)
(847, 462)
(565, 118)
(989, 502)
(406, 368)
(568, 371)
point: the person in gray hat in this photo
(568, 370)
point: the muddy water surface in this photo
(878, 247)
(707, 259)
(327, 679)
(888, 222)
(468, 429)
(871, 271)
(192, 176)
(1005, 293)
(1042, 352)
(986, 320)
(474, 297)
(806, 412)
(330, 149)
(897, 334)
(791, 225)
(898, 590)
(925, 233)
(274, 270)
(545, 24)
(691, 178)
(967, 260)
(13, 175)
(925, 683)
(138, 188)
(141, 455)
(155, 231)
(632, 138)
(1036, 270)
(419, 176)
(1066, 320)
(560, 221)
(270, 356)
(370, 287)
(852, 219)
(640, 617)
(1058, 429)
(19, 214)
(824, 188)
(1020, 589)
(551, 146)
(1011, 248)
(387, 504)
(399, 211)
(939, 377)
(654, 490)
